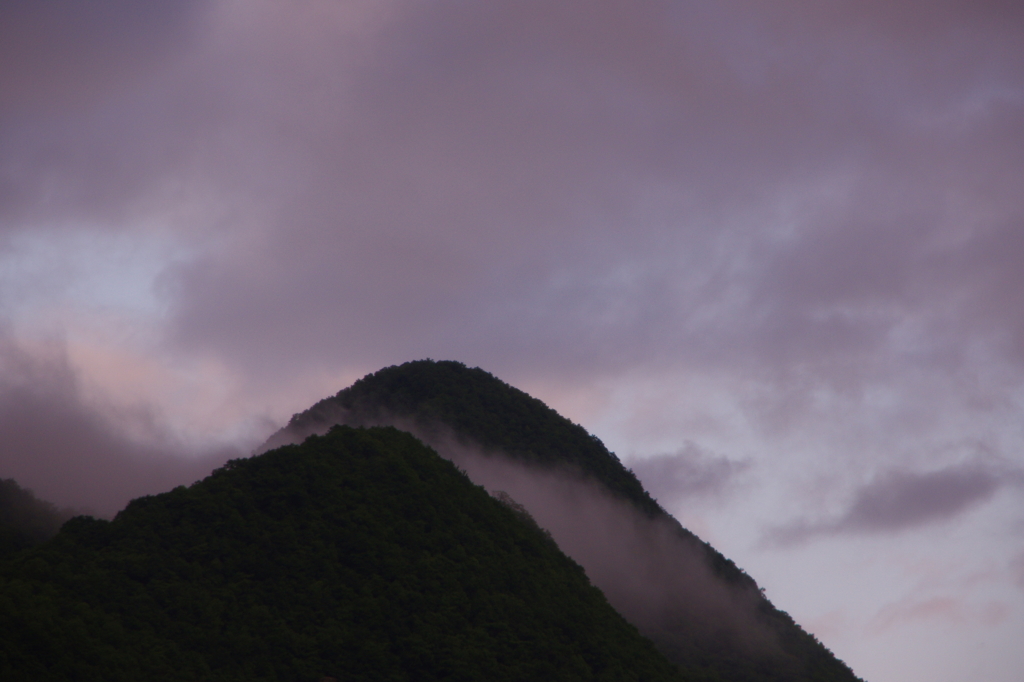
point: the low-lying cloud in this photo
(899, 500)
(68, 452)
(690, 472)
(654, 574)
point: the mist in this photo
(25, 519)
(74, 454)
(650, 569)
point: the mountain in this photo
(702, 611)
(357, 555)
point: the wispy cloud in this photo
(944, 610)
(898, 500)
(69, 452)
(693, 471)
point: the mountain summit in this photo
(702, 611)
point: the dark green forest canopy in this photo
(360, 555)
(449, 398)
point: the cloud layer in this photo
(590, 189)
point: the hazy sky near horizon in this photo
(770, 253)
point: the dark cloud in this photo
(521, 185)
(83, 123)
(903, 499)
(70, 453)
(491, 169)
(691, 472)
(60, 55)
(900, 500)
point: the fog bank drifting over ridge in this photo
(650, 569)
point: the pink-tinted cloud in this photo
(945, 610)
(72, 454)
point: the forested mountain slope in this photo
(26, 520)
(443, 400)
(359, 555)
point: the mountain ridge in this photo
(439, 399)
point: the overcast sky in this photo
(770, 253)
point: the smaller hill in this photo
(358, 555)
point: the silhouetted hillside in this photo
(26, 520)
(360, 555)
(722, 626)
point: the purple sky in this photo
(769, 252)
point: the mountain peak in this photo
(576, 489)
